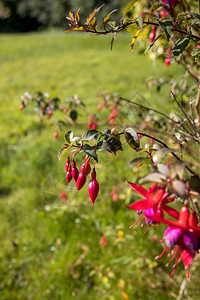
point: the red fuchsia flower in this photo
(182, 236)
(93, 187)
(154, 204)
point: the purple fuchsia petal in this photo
(149, 212)
(190, 241)
(171, 236)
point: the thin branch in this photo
(165, 145)
(185, 114)
(149, 108)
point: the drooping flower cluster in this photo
(80, 177)
(182, 237)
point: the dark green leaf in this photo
(194, 183)
(106, 131)
(69, 136)
(151, 45)
(73, 115)
(132, 138)
(108, 146)
(180, 46)
(155, 7)
(89, 135)
(139, 160)
(97, 137)
(139, 22)
(166, 26)
(90, 151)
(99, 146)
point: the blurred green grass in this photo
(50, 247)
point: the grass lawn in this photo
(50, 247)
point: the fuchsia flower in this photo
(154, 203)
(182, 236)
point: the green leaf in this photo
(151, 45)
(161, 153)
(73, 115)
(155, 7)
(92, 15)
(179, 188)
(167, 27)
(97, 137)
(90, 151)
(62, 151)
(68, 136)
(154, 177)
(108, 146)
(132, 138)
(180, 46)
(107, 18)
(128, 6)
(93, 23)
(106, 131)
(139, 160)
(194, 183)
(139, 22)
(89, 135)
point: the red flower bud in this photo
(80, 181)
(93, 187)
(167, 61)
(55, 134)
(152, 34)
(93, 190)
(74, 171)
(68, 165)
(69, 176)
(21, 107)
(85, 168)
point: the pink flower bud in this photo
(80, 181)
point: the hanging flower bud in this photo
(167, 61)
(69, 176)
(55, 134)
(80, 181)
(74, 171)
(152, 34)
(93, 187)
(68, 165)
